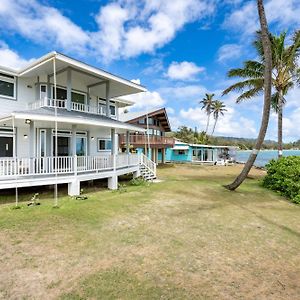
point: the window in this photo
(112, 110)
(61, 94)
(150, 121)
(42, 142)
(181, 152)
(104, 144)
(81, 146)
(7, 85)
(78, 98)
(141, 121)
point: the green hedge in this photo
(283, 176)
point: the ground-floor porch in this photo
(38, 171)
(42, 149)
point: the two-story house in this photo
(153, 142)
(59, 123)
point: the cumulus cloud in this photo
(231, 124)
(183, 70)
(42, 24)
(282, 13)
(10, 58)
(125, 28)
(228, 52)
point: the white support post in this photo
(127, 146)
(113, 181)
(73, 150)
(69, 89)
(32, 144)
(127, 141)
(107, 96)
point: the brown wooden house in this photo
(153, 143)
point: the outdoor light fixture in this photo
(27, 121)
(25, 136)
(92, 138)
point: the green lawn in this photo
(183, 238)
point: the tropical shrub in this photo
(283, 176)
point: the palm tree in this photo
(218, 109)
(207, 104)
(285, 73)
(267, 49)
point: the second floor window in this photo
(7, 85)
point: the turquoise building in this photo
(183, 152)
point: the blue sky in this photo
(178, 49)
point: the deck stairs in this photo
(147, 168)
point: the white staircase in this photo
(147, 168)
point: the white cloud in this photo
(281, 13)
(146, 100)
(229, 51)
(183, 70)
(231, 124)
(126, 28)
(11, 59)
(183, 93)
(42, 24)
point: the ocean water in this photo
(264, 156)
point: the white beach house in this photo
(59, 124)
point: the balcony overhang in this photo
(47, 114)
(89, 75)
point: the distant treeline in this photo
(189, 135)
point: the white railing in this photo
(10, 167)
(48, 102)
(94, 163)
(148, 163)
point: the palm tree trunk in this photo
(267, 98)
(207, 123)
(216, 119)
(280, 108)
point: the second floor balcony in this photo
(142, 140)
(74, 106)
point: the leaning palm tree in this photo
(207, 103)
(218, 109)
(285, 73)
(266, 44)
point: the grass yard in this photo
(183, 238)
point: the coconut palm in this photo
(218, 109)
(207, 103)
(285, 73)
(267, 50)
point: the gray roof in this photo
(135, 114)
(80, 116)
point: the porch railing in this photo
(141, 140)
(48, 102)
(10, 167)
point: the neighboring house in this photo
(153, 143)
(183, 152)
(59, 123)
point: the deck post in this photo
(113, 181)
(73, 149)
(69, 89)
(32, 144)
(163, 155)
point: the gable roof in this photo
(160, 114)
